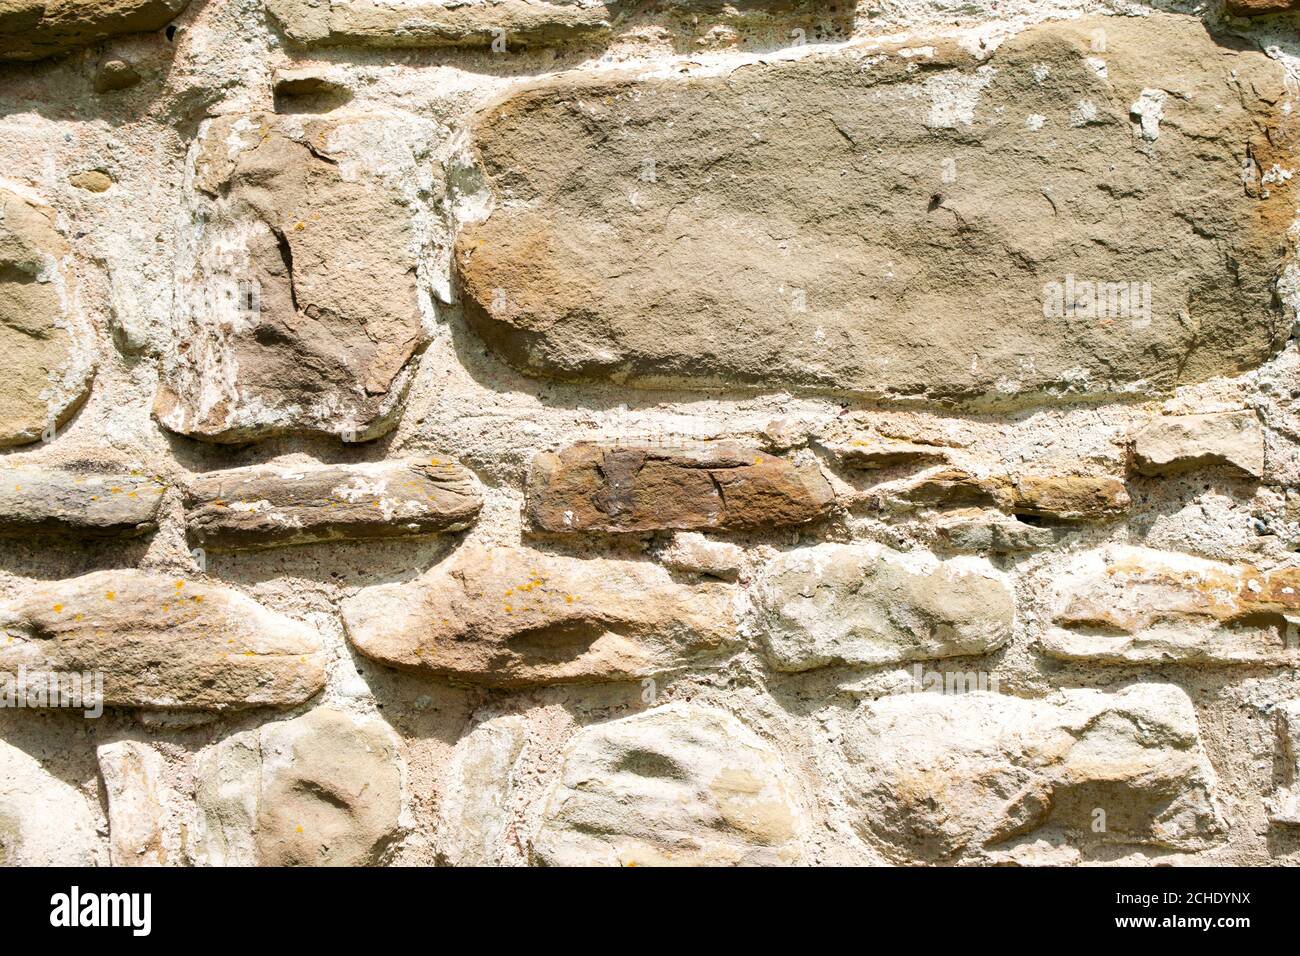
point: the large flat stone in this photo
(943, 778)
(510, 23)
(1233, 441)
(897, 225)
(680, 785)
(709, 486)
(296, 307)
(46, 348)
(268, 505)
(1126, 605)
(44, 820)
(35, 29)
(163, 643)
(511, 617)
(85, 504)
(866, 604)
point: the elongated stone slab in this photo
(48, 500)
(269, 505)
(1127, 605)
(710, 486)
(35, 29)
(750, 234)
(1230, 440)
(511, 617)
(373, 23)
(867, 604)
(163, 643)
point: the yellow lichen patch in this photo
(58, 609)
(110, 595)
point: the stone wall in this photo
(678, 431)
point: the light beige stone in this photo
(163, 642)
(133, 780)
(1128, 605)
(477, 827)
(323, 789)
(679, 785)
(693, 553)
(1174, 443)
(44, 821)
(865, 604)
(945, 778)
(513, 617)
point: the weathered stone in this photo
(44, 821)
(132, 773)
(1256, 8)
(270, 505)
(680, 785)
(1065, 495)
(46, 352)
(1284, 805)
(422, 23)
(1176, 443)
(90, 504)
(865, 604)
(511, 617)
(162, 642)
(91, 180)
(297, 310)
(985, 531)
(939, 778)
(714, 486)
(115, 75)
(323, 789)
(475, 803)
(776, 251)
(1126, 605)
(877, 451)
(35, 29)
(693, 553)
(308, 81)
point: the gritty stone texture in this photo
(35, 29)
(939, 778)
(742, 260)
(1182, 442)
(163, 643)
(511, 617)
(46, 358)
(1256, 8)
(1061, 496)
(132, 773)
(86, 504)
(264, 506)
(1135, 605)
(639, 489)
(297, 310)
(475, 810)
(866, 604)
(323, 789)
(693, 553)
(511, 23)
(44, 821)
(679, 785)
(863, 301)
(1284, 805)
